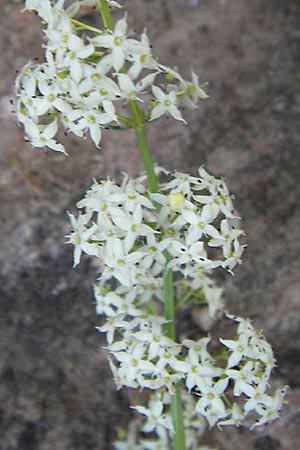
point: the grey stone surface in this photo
(56, 392)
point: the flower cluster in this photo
(137, 236)
(86, 77)
(145, 357)
(158, 410)
(222, 394)
(130, 229)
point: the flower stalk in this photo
(139, 128)
(169, 306)
(106, 15)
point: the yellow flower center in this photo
(92, 119)
(192, 90)
(171, 232)
(51, 97)
(132, 196)
(121, 262)
(144, 58)
(118, 41)
(96, 76)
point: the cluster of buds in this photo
(85, 79)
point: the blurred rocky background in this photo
(56, 391)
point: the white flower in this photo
(243, 378)
(26, 80)
(166, 103)
(172, 74)
(155, 340)
(235, 257)
(167, 357)
(240, 349)
(187, 254)
(42, 135)
(93, 120)
(69, 121)
(43, 8)
(111, 326)
(51, 98)
(155, 249)
(60, 33)
(133, 364)
(190, 92)
(97, 83)
(124, 303)
(199, 348)
(269, 407)
(210, 405)
(121, 264)
(208, 182)
(119, 301)
(144, 60)
(198, 370)
(96, 197)
(156, 418)
(118, 43)
(199, 224)
(237, 416)
(244, 326)
(132, 224)
(80, 235)
(213, 296)
(72, 58)
(130, 194)
(181, 183)
(130, 90)
(164, 379)
(225, 238)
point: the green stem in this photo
(84, 26)
(98, 54)
(137, 113)
(169, 300)
(139, 127)
(126, 120)
(176, 404)
(177, 417)
(106, 15)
